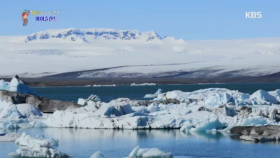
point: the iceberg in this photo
(252, 121)
(148, 153)
(91, 99)
(4, 85)
(97, 154)
(10, 110)
(159, 91)
(201, 110)
(143, 84)
(36, 147)
(262, 97)
(27, 140)
(217, 99)
(209, 124)
(9, 137)
(17, 85)
(275, 94)
(140, 152)
(82, 101)
(27, 110)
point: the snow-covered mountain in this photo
(87, 35)
(90, 53)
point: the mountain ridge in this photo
(93, 34)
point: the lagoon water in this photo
(137, 92)
(82, 143)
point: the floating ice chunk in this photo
(252, 121)
(17, 85)
(97, 154)
(4, 85)
(159, 91)
(125, 109)
(149, 153)
(8, 110)
(140, 109)
(217, 99)
(90, 120)
(186, 127)
(209, 124)
(276, 94)
(26, 140)
(82, 101)
(37, 151)
(107, 110)
(179, 95)
(91, 99)
(27, 110)
(143, 84)
(94, 98)
(36, 147)
(13, 124)
(243, 99)
(262, 97)
(136, 114)
(117, 110)
(38, 124)
(9, 137)
(153, 108)
(243, 96)
(91, 107)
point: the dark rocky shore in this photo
(257, 133)
(43, 104)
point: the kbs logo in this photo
(253, 15)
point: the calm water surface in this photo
(82, 143)
(137, 92)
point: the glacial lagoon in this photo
(82, 143)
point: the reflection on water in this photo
(82, 143)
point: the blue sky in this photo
(187, 19)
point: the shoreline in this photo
(78, 82)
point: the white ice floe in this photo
(140, 152)
(109, 85)
(97, 154)
(9, 137)
(36, 147)
(143, 84)
(159, 91)
(97, 85)
(27, 140)
(148, 153)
